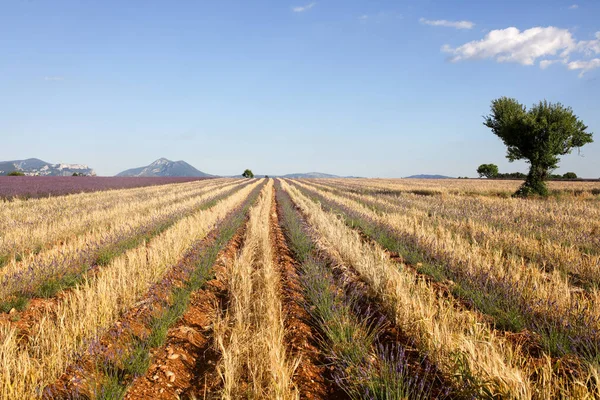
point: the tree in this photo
(488, 170)
(16, 173)
(248, 174)
(570, 175)
(538, 135)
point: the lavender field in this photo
(44, 186)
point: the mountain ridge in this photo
(37, 167)
(165, 167)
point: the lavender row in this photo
(47, 279)
(45, 186)
(365, 364)
(560, 332)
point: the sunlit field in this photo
(302, 289)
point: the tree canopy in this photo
(488, 170)
(539, 135)
(248, 174)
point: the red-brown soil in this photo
(185, 365)
(310, 376)
(79, 379)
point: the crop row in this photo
(366, 363)
(462, 344)
(116, 364)
(569, 224)
(46, 273)
(36, 225)
(516, 294)
(469, 187)
(84, 312)
(27, 187)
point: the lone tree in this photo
(488, 170)
(248, 174)
(538, 135)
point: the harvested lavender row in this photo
(193, 271)
(30, 229)
(47, 279)
(365, 366)
(560, 333)
(533, 236)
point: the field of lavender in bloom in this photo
(44, 186)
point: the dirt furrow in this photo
(110, 355)
(301, 338)
(185, 365)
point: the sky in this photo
(370, 88)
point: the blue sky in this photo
(368, 88)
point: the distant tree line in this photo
(490, 171)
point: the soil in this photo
(311, 374)
(79, 378)
(185, 365)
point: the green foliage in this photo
(488, 170)
(18, 302)
(16, 173)
(512, 175)
(570, 175)
(52, 286)
(248, 174)
(539, 135)
(137, 362)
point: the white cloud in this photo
(590, 47)
(307, 7)
(573, 7)
(512, 45)
(584, 65)
(448, 24)
(546, 63)
(54, 78)
(550, 44)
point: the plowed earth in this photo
(79, 379)
(185, 366)
(311, 374)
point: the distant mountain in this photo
(34, 166)
(164, 167)
(310, 175)
(424, 176)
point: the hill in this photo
(37, 167)
(164, 167)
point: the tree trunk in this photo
(535, 182)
